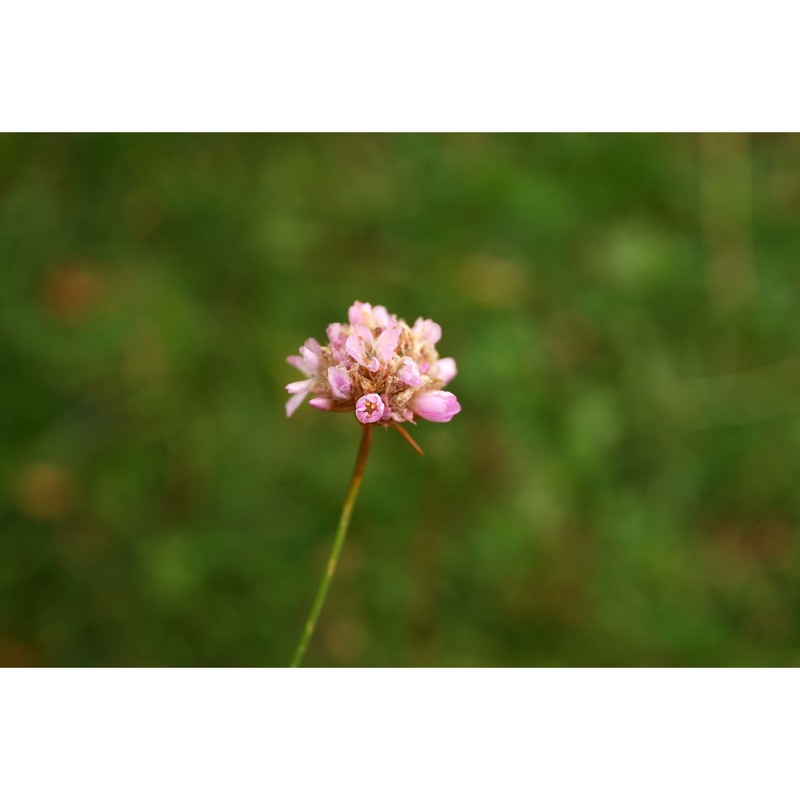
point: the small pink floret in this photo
(369, 408)
(409, 372)
(358, 313)
(357, 343)
(337, 339)
(445, 370)
(381, 316)
(427, 329)
(310, 352)
(322, 403)
(340, 382)
(435, 406)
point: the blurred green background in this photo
(621, 487)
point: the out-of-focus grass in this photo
(620, 488)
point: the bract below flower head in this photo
(378, 367)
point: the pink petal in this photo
(355, 314)
(299, 386)
(381, 316)
(386, 343)
(340, 382)
(337, 339)
(299, 363)
(444, 370)
(313, 345)
(435, 406)
(409, 372)
(356, 344)
(356, 350)
(335, 332)
(294, 402)
(427, 330)
(310, 353)
(322, 403)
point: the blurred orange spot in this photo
(770, 540)
(45, 492)
(72, 291)
(15, 653)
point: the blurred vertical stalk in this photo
(741, 388)
(726, 203)
(338, 541)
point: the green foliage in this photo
(620, 488)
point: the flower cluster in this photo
(377, 366)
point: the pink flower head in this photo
(377, 366)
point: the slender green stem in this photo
(338, 541)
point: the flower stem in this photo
(338, 541)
